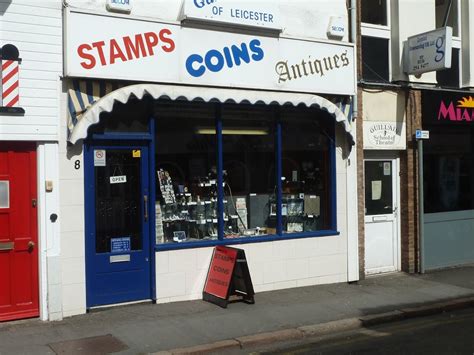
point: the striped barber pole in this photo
(10, 85)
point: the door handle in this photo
(31, 245)
(145, 205)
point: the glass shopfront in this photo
(228, 171)
(449, 153)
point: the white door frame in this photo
(394, 156)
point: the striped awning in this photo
(87, 99)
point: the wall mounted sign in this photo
(130, 49)
(265, 14)
(384, 135)
(124, 6)
(429, 51)
(10, 80)
(448, 109)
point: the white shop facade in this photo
(185, 135)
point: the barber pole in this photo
(10, 85)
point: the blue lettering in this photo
(439, 53)
(200, 70)
(215, 60)
(201, 3)
(240, 53)
(257, 51)
(220, 60)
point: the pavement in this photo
(197, 327)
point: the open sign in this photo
(118, 179)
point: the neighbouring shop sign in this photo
(429, 51)
(445, 108)
(263, 14)
(384, 135)
(130, 49)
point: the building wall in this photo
(36, 30)
(180, 274)
(298, 18)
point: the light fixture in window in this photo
(233, 131)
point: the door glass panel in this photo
(378, 187)
(117, 201)
(4, 194)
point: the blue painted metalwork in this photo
(279, 223)
(220, 178)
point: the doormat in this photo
(103, 344)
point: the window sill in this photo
(244, 240)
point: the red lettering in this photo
(90, 60)
(100, 50)
(151, 40)
(169, 41)
(116, 52)
(465, 116)
(447, 112)
(134, 50)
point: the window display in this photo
(249, 171)
(186, 206)
(274, 166)
(305, 178)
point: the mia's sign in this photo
(459, 111)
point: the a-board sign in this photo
(228, 276)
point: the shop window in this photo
(305, 177)
(276, 168)
(249, 171)
(449, 169)
(375, 59)
(186, 175)
(374, 12)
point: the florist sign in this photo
(129, 49)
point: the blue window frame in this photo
(223, 126)
(285, 156)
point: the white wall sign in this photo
(128, 49)
(236, 12)
(429, 51)
(119, 5)
(337, 27)
(384, 135)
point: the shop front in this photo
(448, 158)
(193, 138)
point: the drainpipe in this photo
(352, 215)
(353, 39)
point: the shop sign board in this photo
(120, 48)
(228, 275)
(264, 14)
(429, 51)
(445, 108)
(384, 135)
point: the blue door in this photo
(118, 255)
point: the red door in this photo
(18, 232)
